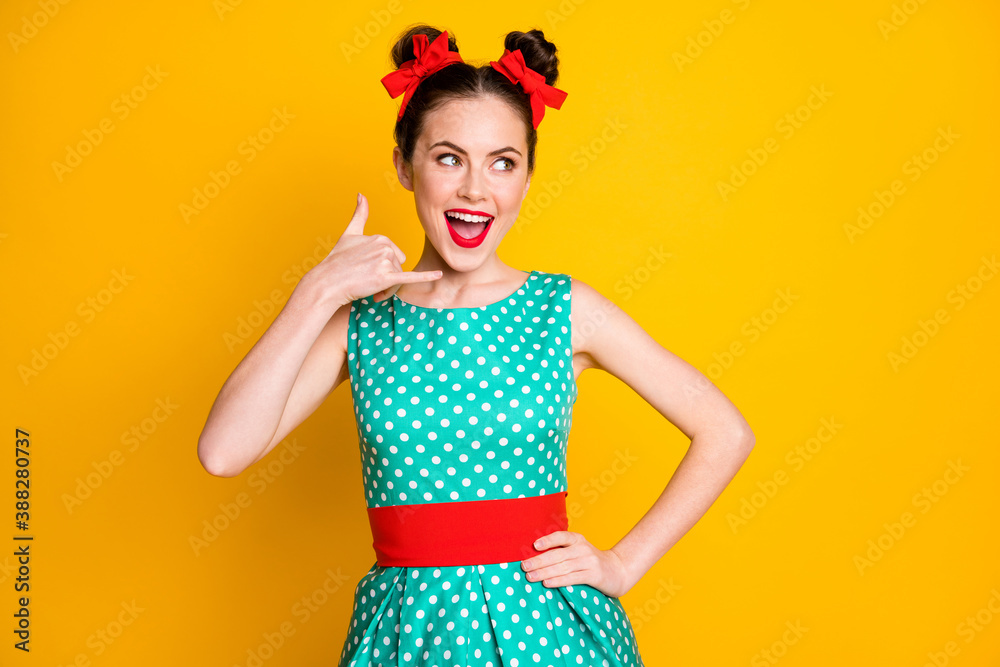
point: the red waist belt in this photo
(465, 533)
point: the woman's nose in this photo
(472, 186)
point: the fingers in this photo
(551, 575)
(357, 223)
(565, 565)
(415, 276)
(395, 286)
(400, 255)
(569, 545)
(400, 277)
(547, 558)
(396, 270)
(384, 294)
(356, 226)
(555, 538)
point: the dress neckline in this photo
(531, 274)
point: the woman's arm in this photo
(721, 439)
(287, 374)
(300, 359)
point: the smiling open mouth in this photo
(467, 230)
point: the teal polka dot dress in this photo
(466, 404)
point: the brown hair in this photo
(466, 81)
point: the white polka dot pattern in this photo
(483, 616)
(464, 404)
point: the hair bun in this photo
(402, 50)
(539, 53)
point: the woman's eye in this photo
(509, 162)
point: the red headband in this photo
(430, 58)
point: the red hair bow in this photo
(426, 61)
(513, 67)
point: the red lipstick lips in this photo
(461, 240)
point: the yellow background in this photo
(644, 140)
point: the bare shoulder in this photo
(603, 333)
(591, 311)
(608, 338)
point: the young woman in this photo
(463, 375)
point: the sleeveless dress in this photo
(465, 404)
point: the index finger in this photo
(414, 276)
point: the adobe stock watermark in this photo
(223, 7)
(7, 569)
(899, 16)
(786, 126)
(627, 286)
(121, 108)
(599, 484)
(632, 282)
(105, 636)
(303, 610)
(797, 457)
(364, 34)
(752, 329)
(696, 44)
(642, 614)
(563, 11)
(103, 469)
(967, 629)
(247, 324)
(38, 20)
(249, 148)
(915, 166)
(59, 340)
(959, 296)
(542, 195)
(924, 501)
(259, 481)
(779, 648)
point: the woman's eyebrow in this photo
(463, 152)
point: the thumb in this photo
(357, 223)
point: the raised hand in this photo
(360, 266)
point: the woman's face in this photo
(470, 156)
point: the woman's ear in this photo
(527, 184)
(402, 169)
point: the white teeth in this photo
(467, 217)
